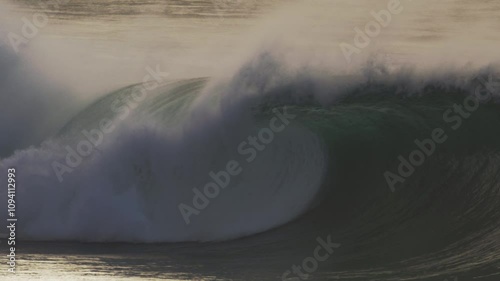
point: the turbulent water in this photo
(397, 160)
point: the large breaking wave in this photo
(323, 173)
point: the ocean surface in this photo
(132, 127)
